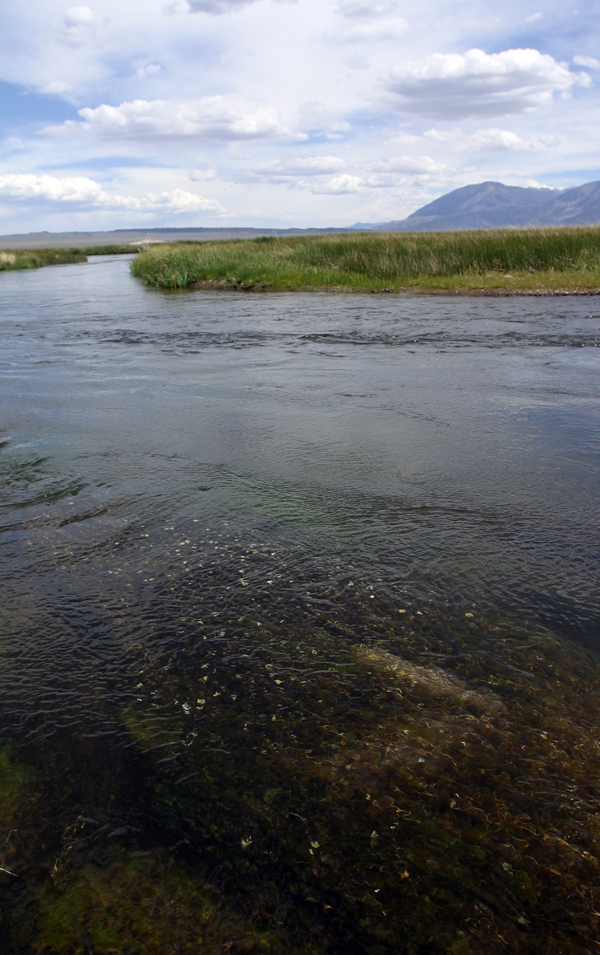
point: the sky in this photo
(286, 113)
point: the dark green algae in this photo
(339, 773)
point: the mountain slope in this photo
(492, 205)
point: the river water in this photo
(299, 619)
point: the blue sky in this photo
(286, 112)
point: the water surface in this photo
(286, 580)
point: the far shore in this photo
(555, 262)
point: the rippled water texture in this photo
(299, 620)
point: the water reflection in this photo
(298, 629)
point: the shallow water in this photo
(296, 589)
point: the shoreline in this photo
(224, 285)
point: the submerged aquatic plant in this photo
(298, 767)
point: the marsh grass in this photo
(12, 260)
(509, 259)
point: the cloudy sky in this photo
(287, 112)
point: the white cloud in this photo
(386, 173)
(203, 175)
(492, 140)
(86, 193)
(375, 31)
(79, 25)
(453, 85)
(590, 61)
(217, 6)
(151, 70)
(549, 141)
(407, 165)
(212, 118)
(339, 185)
(301, 168)
(55, 87)
(363, 10)
(534, 17)
(318, 118)
(213, 7)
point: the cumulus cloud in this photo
(453, 85)
(212, 118)
(339, 185)
(79, 25)
(482, 140)
(78, 191)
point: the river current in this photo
(299, 619)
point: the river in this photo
(299, 619)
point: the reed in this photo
(504, 258)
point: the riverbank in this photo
(12, 260)
(503, 261)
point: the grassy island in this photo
(501, 260)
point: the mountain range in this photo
(492, 205)
(487, 205)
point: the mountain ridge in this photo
(492, 205)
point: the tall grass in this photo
(13, 259)
(365, 260)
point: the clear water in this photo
(224, 519)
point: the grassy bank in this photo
(504, 259)
(14, 259)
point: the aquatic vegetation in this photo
(302, 767)
(428, 787)
(137, 902)
(14, 777)
(501, 258)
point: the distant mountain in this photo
(491, 205)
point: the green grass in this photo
(109, 249)
(509, 259)
(12, 260)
